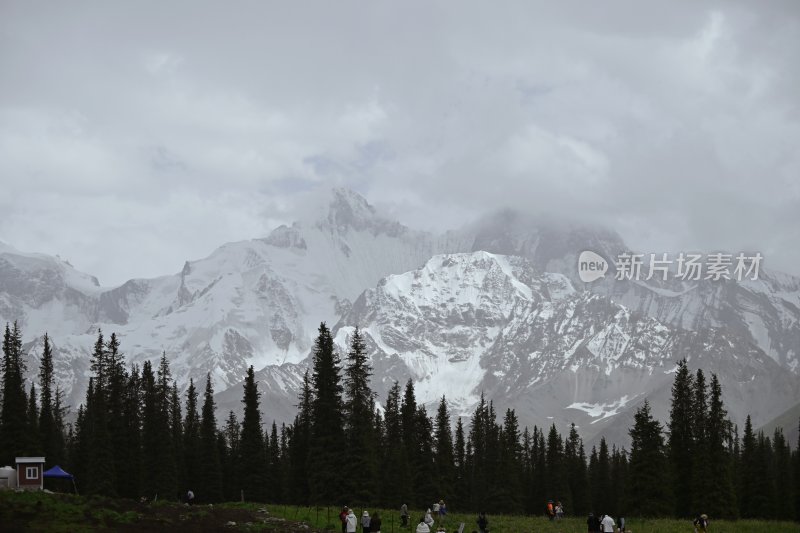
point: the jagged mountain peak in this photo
(348, 210)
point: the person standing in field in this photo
(593, 524)
(404, 515)
(483, 523)
(607, 524)
(422, 527)
(365, 522)
(621, 524)
(375, 523)
(701, 524)
(343, 519)
(352, 522)
(429, 518)
(442, 509)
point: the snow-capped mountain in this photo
(479, 322)
(494, 307)
(253, 302)
(766, 311)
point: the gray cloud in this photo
(160, 131)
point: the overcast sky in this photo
(134, 136)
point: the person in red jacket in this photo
(343, 518)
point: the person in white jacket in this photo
(429, 518)
(607, 524)
(422, 527)
(352, 522)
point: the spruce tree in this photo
(34, 444)
(251, 443)
(444, 463)
(749, 472)
(51, 441)
(593, 476)
(539, 464)
(209, 458)
(720, 497)
(118, 427)
(13, 415)
(100, 472)
(78, 452)
(408, 410)
(478, 444)
(299, 446)
(130, 453)
(619, 476)
(527, 469)
(327, 459)
(99, 468)
(680, 445)
(285, 465)
(422, 461)
(509, 483)
(176, 432)
(359, 403)
(576, 471)
(556, 472)
(764, 497)
(230, 461)
(701, 474)
(396, 484)
(275, 486)
(647, 493)
(159, 471)
(782, 508)
(194, 470)
(460, 458)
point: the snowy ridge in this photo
(479, 322)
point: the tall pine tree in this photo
(647, 493)
(208, 452)
(720, 498)
(251, 443)
(327, 446)
(13, 415)
(680, 445)
(359, 404)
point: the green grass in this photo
(327, 518)
(36, 511)
(39, 511)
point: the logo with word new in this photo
(591, 266)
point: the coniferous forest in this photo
(135, 435)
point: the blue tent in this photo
(57, 473)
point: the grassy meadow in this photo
(327, 517)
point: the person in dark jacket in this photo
(593, 523)
(375, 524)
(701, 524)
(483, 523)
